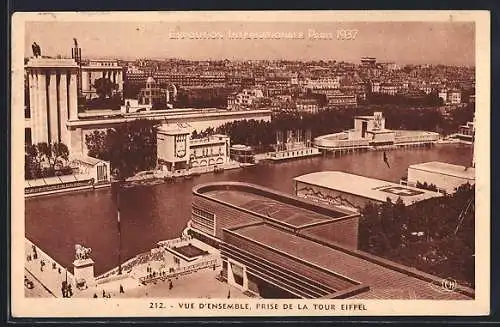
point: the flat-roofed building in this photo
(100, 68)
(210, 151)
(455, 96)
(450, 96)
(173, 147)
(371, 131)
(242, 153)
(368, 61)
(177, 151)
(466, 132)
(307, 105)
(375, 87)
(373, 128)
(244, 99)
(389, 89)
(354, 191)
(341, 99)
(153, 96)
(447, 177)
(322, 83)
(276, 245)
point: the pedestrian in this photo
(59, 270)
(95, 296)
(386, 160)
(63, 288)
(103, 293)
(121, 289)
(170, 285)
(53, 265)
(70, 291)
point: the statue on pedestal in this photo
(37, 51)
(81, 252)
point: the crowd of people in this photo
(33, 255)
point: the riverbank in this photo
(76, 183)
(155, 177)
(162, 211)
(61, 184)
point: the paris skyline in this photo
(403, 42)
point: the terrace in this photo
(271, 205)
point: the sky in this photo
(450, 43)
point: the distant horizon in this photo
(404, 43)
(257, 60)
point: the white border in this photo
(26, 307)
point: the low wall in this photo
(40, 190)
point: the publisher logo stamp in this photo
(448, 284)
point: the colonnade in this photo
(53, 101)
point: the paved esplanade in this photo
(41, 268)
(198, 284)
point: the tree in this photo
(96, 144)
(104, 87)
(45, 160)
(435, 235)
(462, 115)
(130, 147)
(32, 167)
(425, 186)
(194, 135)
(60, 152)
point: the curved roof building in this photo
(275, 245)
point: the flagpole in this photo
(119, 229)
(66, 285)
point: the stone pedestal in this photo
(84, 269)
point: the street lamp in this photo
(117, 189)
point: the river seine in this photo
(153, 213)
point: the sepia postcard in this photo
(298, 163)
